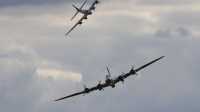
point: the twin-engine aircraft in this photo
(110, 81)
(85, 12)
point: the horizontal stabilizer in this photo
(75, 15)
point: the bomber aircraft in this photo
(109, 81)
(85, 12)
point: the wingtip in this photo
(57, 99)
(66, 34)
(161, 57)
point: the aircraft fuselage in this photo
(87, 12)
(110, 81)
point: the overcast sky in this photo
(39, 64)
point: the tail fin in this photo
(75, 7)
(78, 9)
(76, 12)
(108, 71)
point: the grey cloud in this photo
(171, 84)
(8, 3)
(163, 33)
(179, 18)
(184, 32)
(168, 2)
(173, 33)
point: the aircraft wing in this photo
(83, 4)
(76, 24)
(93, 4)
(75, 94)
(84, 92)
(138, 69)
(104, 85)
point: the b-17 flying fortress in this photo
(85, 12)
(109, 81)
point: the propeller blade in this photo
(85, 88)
(123, 74)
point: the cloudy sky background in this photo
(39, 64)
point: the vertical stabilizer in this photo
(76, 12)
(78, 9)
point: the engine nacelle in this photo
(93, 8)
(97, 2)
(85, 17)
(121, 78)
(99, 86)
(87, 90)
(113, 85)
(132, 72)
(80, 22)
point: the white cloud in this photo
(39, 64)
(59, 74)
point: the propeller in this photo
(86, 90)
(80, 23)
(93, 8)
(121, 78)
(97, 2)
(99, 86)
(133, 72)
(85, 17)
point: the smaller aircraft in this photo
(109, 81)
(85, 12)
